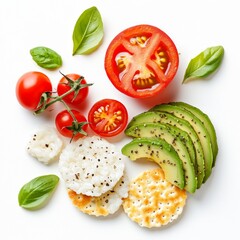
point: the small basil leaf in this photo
(36, 193)
(46, 57)
(88, 32)
(204, 64)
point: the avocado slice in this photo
(206, 122)
(162, 153)
(199, 128)
(171, 135)
(163, 117)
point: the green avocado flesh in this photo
(162, 153)
(184, 134)
(177, 138)
(206, 122)
(199, 128)
(195, 149)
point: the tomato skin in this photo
(30, 88)
(141, 61)
(63, 88)
(108, 117)
(64, 119)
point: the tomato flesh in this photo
(30, 87)
(108, 117)
(141, 61)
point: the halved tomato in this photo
(141, 61)
(108, 117)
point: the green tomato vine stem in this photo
(75, 87)
(47, 100)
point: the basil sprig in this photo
(46, 57)
(88, 32)
(204, 64)
(36, 193)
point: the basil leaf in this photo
(46, 57)
(88, 32)
(37, 192)
(204, 64)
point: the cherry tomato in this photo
(64, 86)
(30, 87)
(141, 61)
(108, 117)
(66, 125)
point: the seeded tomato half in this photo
(108, 117)
(141, 61)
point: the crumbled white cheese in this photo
(45, 145)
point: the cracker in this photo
(91, 166)
(152, 201)
(107, 203)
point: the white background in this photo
(213, 211)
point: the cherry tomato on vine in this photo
(141, 61)
(108, 117)
(70, 127)
(30, 88)
(77, 97)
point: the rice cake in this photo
(91, 166)
(152, 201)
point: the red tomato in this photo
(30, 88)
(141, 61)
(108, 117)
(67, 127)
(64, 86)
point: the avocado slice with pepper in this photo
(198, 127)
(162, 153)
(206, 122)
(195, 149)
(174, 136)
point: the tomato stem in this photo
(47, 100)
(68, 109)
(76, 126)
(75, 87)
